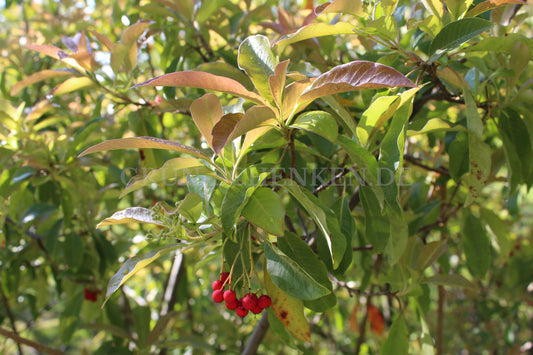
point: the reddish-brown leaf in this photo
(206, 112)
(356, 75)
(201, 80)
(222, 130)
(353, 318)
(46, 49)
(277, 81)
(377, 323)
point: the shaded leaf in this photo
(476, 246)
(173, 169)
(134, 264)
(131, 215)
(207, 81)
(376, 221)
(430, 253)
(452, 280)
(397, 342)
(289, 310)
(143, 142)
(206, 112)
(314, 30)
(458, 32)
(318, 122)
(291, 277)
(265, 210)
(363, 158)
(39, 76)
(377, 323)
(259, 62)
(356, 75)
(501, 44)
(489, 5)
(222, 130)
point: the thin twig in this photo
(417, 162)
(440, 321)
(357, 292)
(10, 316)
(37, 346)
(257, 336)
(364, 247)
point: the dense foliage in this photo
(365, 164)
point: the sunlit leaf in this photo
(375, 116)
(191, 206)
(354, 7)
(73, 84)
(206, 112)
(458, 32)
(265, 210)
(226, 70)
(131, 215)
(277, 82)
(39, 76)
(318, 122)
(357, 75)
(143, 142)
(289, 310)
(259, 62)
(173, 169)
(51, 51)
(136, 263)
(432, 125)
(501, 44)
(489, 5)
(207, 81)
(435, 7)
(314, 30)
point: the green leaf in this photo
(141, 323)
(430, 126)
(354, 7)
(489, 5)
(173, 170)
(501, 44)
(476, 246)
(206, 112)
(376, 221)
(161, 326)
(232, 205)
(203, 185)
(356, 75)
(289, 310)
(347, 225)
(375, 116)
(451, 280)
(319, 122)
(131, 215)
(70, 318)
(206, 10)
(397, 342)
(291, 277)
(362, 157)
(458, 153)
(136, 263)
(430, 253)
(259, 62)
(265, 210)
(458, 7)
(143, 142)
(207, 81)
(435, 7)
(458, 32)
(314, 30)
(324, 218)
(73, 84)
(37, 211)
(191, 207)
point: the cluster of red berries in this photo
(249, 303)
(90, 295)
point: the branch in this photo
(10, 317)
(37, 346)
(417, 162)
(257, 336)
(357, 292)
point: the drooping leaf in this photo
(39, 76)
(397, 342)
(318, 122)
(375, 116)
(134, 264)
(489, 5)
(131, 215)
(191, 206)
(314, 30)
(207, 81)
(476, 246)
(451, 280)
(143, 142)
(232, 205)
(354, 7)
(356, 75)
(363, 158)
(259, 62)
(289, 310)
(458, 32)
(291, 277)
(173, 169)
(432, 125)
(277, 82)
(376, 221)
(265, 210)
(206, 112)
(73, 84)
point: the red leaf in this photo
(222, 130)
(357, 75)
(201, 80)
(377, 323)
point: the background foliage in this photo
(460, 281)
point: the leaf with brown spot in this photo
(207, 81)
(356, 75)
(289, 310)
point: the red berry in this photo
(264, 301)
(241, 311)
(517, 246)
(257, 309)
(217, 285)
(90, 295)
(224, 276)
(232, 305)
(218, 296)
(229, 296)
(249, 301)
